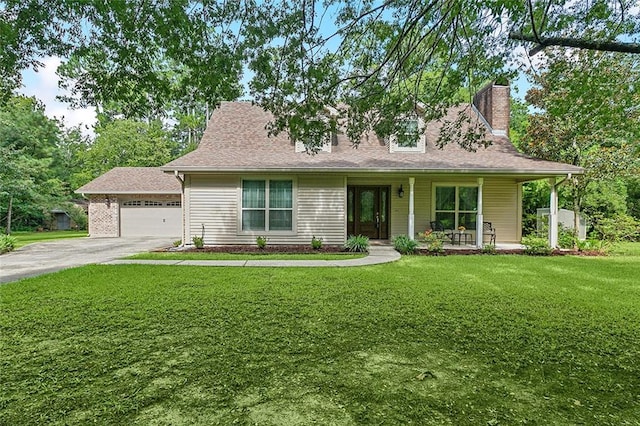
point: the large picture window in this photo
(457, 206)
(267, 205)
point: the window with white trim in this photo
(267, 205)
(456, 206)
(410, 136)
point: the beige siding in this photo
(214, 201)
(502, 209)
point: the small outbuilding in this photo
(134, 201)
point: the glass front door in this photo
(368, 211)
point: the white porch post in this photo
(553, 214)
(479, 216)
(411, 230)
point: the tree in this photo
(125, 143)
(379, 58)
(29, 183)
(589, 117)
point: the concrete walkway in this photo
(377, 255)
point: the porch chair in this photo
(437, 226)
(488, 229)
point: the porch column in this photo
(553, 214)
(479, 215)
(411, 231)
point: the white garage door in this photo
(150, 218)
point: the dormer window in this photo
(326, 144)
(410, 136)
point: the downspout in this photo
(181, 180)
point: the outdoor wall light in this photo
(400, 192)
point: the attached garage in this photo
(134, 202)
(150, 217)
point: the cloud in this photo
(43, 85)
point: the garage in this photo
(150, 218)
(134, 202)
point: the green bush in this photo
(7, 243)
(261, 241)
(593, 245)
(405, 245)
(198, 241)
(620, 227)
(566, 239)
(177, 243)
(489, 249)
(433, 240)
(536, 246)
(316, 243)
(357, 243)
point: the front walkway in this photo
(377, 254)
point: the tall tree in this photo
(29, 184)
(379, 58)
(125, 143)
(589, 117)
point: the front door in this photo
(368, 211)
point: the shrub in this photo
(599, 246)
(357, 243)
(7, 243)
(405, 245)
(261, 241)
(316, 243)
(566, 239)
(536, 246)
(489, 249)
(177, 243)
(433, 240)
(198, 241)
(620, 227)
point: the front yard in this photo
(427, 340)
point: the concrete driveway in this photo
(41, 258)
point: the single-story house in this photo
(241, 183)
(134, 201)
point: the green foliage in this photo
(434, 241)
(405, 245)
(7, 243)
(618, 228)
(489, 249)
(316, 243)
(127, 143)
(593, 245)
(357, 243)
(536, 246)
(261, 241)
(198, 241)
(177, 243)
(566, 239)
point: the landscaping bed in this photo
(273, 249)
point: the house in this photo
(240, 183)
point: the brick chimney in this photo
(493, 104)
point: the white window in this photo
(410, 136)
(267, 205)
(148, 203)
(456, 206)
(174, 204)
(132, 203)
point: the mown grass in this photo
(243, 256)
(25, 237)
(505, 339)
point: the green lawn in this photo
(506, 340)
(25, 238)
(246, 256)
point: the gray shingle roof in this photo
(236, 140)
(133, 180)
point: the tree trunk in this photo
(9, 215)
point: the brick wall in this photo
(493, 102)
(104, 216)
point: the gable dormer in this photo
(328, 139)
(410, 136)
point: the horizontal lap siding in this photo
(501, 208)
(320, 210)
